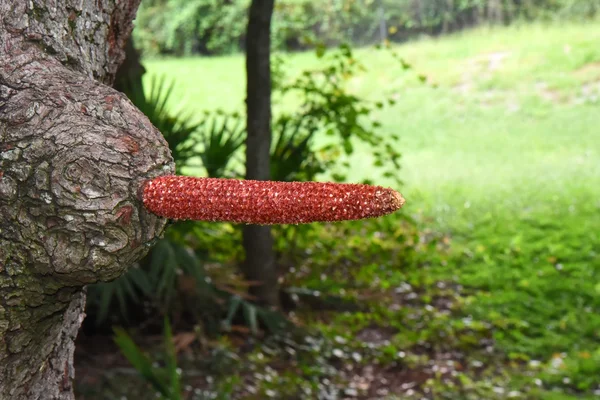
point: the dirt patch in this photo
(376, 335)
(377, 382)
(483, 65)
(548, 93)
(443, 300)
(465, 87)
(495, 60)
(589, 70)
(590, 93)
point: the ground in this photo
(496, 292)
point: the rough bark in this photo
(73, 153)
(258, 241)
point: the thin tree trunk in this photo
(495, 12)
(382, 23)
(73, 155)
(478, 14)
(259, 265)
(449, 17)
(509, 11)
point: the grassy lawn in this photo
(501, 162)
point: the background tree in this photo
(258, 241)
(185, 27)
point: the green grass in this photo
(502, 156)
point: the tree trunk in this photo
(73, 155)
(131, 71)
(449, 18)
(258, 241)
(495, 12)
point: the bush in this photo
(190, 26)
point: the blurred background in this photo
(484, 114)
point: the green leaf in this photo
(250, 317)
(234, 305)
(140, 362)
(320, 50)
(348, 148)
(171, 362)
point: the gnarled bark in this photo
(73, 155)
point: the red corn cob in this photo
(265, 202)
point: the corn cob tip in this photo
(397, 199)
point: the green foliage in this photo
(215, 139)
(304, 23)
(166, 381)
(190, 26)
(273, 321)
(169, 261)
(221, 136)
(183, 27)
(579, 370)
(176, 128)
(328, 107)
(158, 282)
(580, 9)
(292, 155)
(125, 290)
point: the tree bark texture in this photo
(258, 240)
(73, 155)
